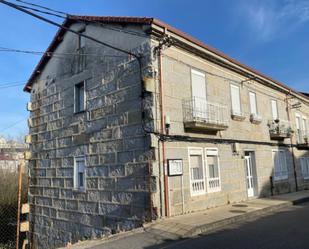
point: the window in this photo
(79, 173)
(213, 170)
(298, 129)
(279, 165)
(79, 97)
(304, 163)
(253, 105)
(81, 51)
(235, 97)
(197, 177)
(199, 94)
(305, 130)
(274, 109)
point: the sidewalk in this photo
(190, 225)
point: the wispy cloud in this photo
(267, 19)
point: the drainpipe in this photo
(165, 179)
(291, 143)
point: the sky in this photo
(271, 36)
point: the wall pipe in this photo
(165, 179)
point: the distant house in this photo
(11, 153)
(153, 124)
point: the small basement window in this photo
(79, 173)
(79, 97)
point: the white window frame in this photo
(84, 93)
(212, 181)
(304, 126)
(298, 126)
(235, 112)
(274, 117)
(304, 163)
(198, 152)
(254, 112)
(76, 172)
(282, 170)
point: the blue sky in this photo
(271, 36)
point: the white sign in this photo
(174, 167)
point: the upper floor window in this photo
(274, 109)
(298, 129)
(305, 130)
(79, 179)
(235, 98)
(253, 103)
(81, 56)
(79, 97)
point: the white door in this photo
(250, 185)
(199, 94)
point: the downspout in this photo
(165, 179)
(291, 142)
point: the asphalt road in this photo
(285, 229)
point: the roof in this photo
(142, 21)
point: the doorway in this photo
(250, 169)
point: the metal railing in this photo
(200, 110)
(280, 128)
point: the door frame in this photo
(251, 153)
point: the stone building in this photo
(132, 120)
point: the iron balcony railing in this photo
(200, 110)
(280, 128)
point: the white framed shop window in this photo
(79, 179)
(279, 165)
(196, 171)
(304, 163)
(213, 170)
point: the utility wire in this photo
(12, 5)
(14, 50)
(41, 11)
(42, 7)
(68, 15)
(12, 125)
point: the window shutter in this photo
(274, 109)
(253, 107)
(235, 99)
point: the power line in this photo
(14, 50)
(68, 15)
(42, 7)
(12, 125)
(68, 29)
(43, 12)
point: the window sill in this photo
(79, 190)
(79, 112)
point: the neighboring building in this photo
(11, 153)
(117, 141)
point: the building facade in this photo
(132, 120)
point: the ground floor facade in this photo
(207, 175)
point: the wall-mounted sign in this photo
(174, 167)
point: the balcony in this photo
(279, 129)
(203, 115)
